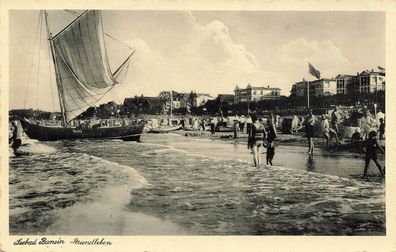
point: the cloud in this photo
(183, 55)
(208, 61)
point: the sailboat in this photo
(83, 77)
(167, 128)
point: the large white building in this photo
(363, 82)
(321, 87)
(369, 81)
(251, 93)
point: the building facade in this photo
(226, 98)
(371, 81)
(251, 93)
(323, 87)
(299, 88)
(363, 82)
(344, 83)
(319, 87)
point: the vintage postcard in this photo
(209, 126)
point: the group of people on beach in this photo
(260, 135)
(263, 135)
(368, 140)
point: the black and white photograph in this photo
(196, 122)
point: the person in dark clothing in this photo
(369, 148)
(356, 140)
(309, 123)
(356, 137)
(271, 135)
(270, 152)
(381, 129)
(16, 137)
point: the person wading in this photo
(16, 137)
(255, 139)
(369, 148)
(309, 123)
(335, 122)
(271, 135)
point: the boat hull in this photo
(224, 129)
(44, 133)
(164, 130)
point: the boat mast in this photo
(171, 106)
(60, 92)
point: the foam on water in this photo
(43, 184)
(34, 147)
(159, 187)
(107, 215)
(136, 180)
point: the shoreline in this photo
(282, 139)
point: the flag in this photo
(313, 71)
(381, 68)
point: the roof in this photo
(344, 75)
(323, 79)
(203, 94)
(371, 72)
(259, 88)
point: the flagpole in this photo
(308, 93)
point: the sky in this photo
(203, 51)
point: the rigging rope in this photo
(33, 54)
(73, 13)
(119, 41)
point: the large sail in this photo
(84, 74)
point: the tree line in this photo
(282, 106)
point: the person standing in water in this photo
(326, 130)
(365, 124)
(271, 135)
(248, 124)
(255, 139)
(369, 148)
(381, 129)
(16, 137)
(335, 121)
(309, 123)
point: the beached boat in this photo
(83, 77)
(165, 129)
(224, 129)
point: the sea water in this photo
(169, 184)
